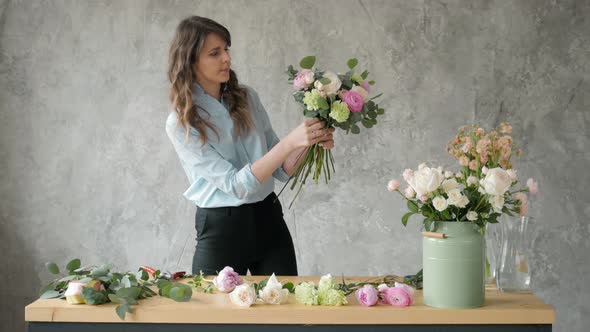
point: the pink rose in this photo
(533, 186)
(367, 296)
(393, 185)
(303, 79)
(398, 297)
(227, 280)
(354, 101)
(520, 197)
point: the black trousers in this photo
(251, 237)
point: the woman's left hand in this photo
(327, 140)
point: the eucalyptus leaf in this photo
(181, 293)
(85, 280)
(290, 286)
(122, 310)
(352, 63)
(52, 267)
(325, 80)
(324, 104)
(93, 297)
(307, 62)
(129, 293)
(366, 123)
(50, 286)
(73, 264)
(371, 82)
(50, 294)
(355, 129)
(364, 75)
(68, 278)
(380, 111)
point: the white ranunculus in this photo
(331, 88)
(449, 184)
(273, 292)
(497, 203)
(440, 204)
(496, 182)
(426, 180)
(243, 295)
(472, 216)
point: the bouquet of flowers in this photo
(340, 100)
(481, 192)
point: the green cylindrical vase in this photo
(454, 266)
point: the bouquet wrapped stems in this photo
(317, 160)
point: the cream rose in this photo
(496, 182)
(440, 204)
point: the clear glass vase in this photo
(493, 237)
(513, 272)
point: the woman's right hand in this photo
(309, 132)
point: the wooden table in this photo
(214, 312)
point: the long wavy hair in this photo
(184, 52)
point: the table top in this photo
(499, 308)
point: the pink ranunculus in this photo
(367, 296)
(366, 86)
(398, 297)
(354, 101)
(393, 185)
(227, 280)
(303, 79)
(382, 289)
(533, 186)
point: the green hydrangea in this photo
(327, 282)
(312, 99)
(306, 293)
(340, 111)
(331, 296)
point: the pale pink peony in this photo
(533, 186)
(354, 101)
(303, 79)
(367, 296)
(227, 280)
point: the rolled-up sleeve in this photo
(203, 161)
(271, 137)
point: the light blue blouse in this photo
(219, 171)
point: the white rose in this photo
(454, 196)
(472, 216)
(497, 203)
(273, 292)
(496, 182)
(331, 88)
(448, 174)
(361, 91)
(243, 295)
(440, 204)
(472, 180)
(426, 180)
(463, 201)
(449, 184)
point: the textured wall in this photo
(86, 169)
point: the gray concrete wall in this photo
(86, 169)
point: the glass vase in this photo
(513, 273)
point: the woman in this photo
(230, 154)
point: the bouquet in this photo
(340, 100)
(480, 192)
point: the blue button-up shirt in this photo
(219, 171)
